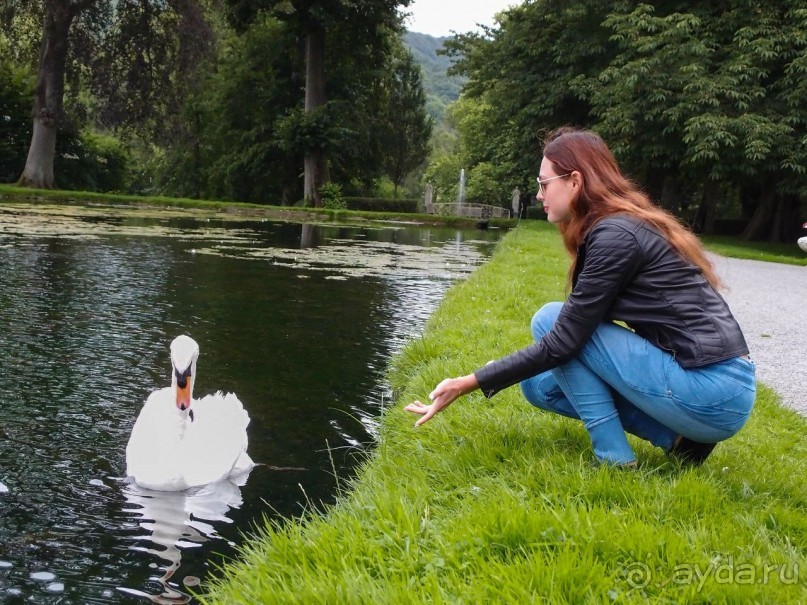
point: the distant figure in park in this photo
(428, 196)
(516, 203)
(679, 377)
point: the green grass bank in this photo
(493, 501)
(787, 253)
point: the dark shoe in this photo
(691, 452)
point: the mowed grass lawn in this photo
(494, 501)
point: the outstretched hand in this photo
(416, 407)
(442, 396)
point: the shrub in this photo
(90, 162)
(331, 194)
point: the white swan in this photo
(179, 442)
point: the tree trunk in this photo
(671, 195)
(748, 201)
(705, 219)
(760, 223)
(315, 163)
(48, 109)
(785, 218)
(654, 183)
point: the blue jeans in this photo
(621, 382)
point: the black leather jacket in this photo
(627, 271)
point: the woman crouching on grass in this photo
(680, 377)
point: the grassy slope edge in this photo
(493, 501)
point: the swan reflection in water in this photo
(178, 520)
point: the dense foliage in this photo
(407, 127)
(703, 103)
(16, 91)
(347, 38)
(210, 102)
(248, 131)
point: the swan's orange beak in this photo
(184, 396)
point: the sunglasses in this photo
(541, 183)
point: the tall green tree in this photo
(631, 97)
(408, 127)
(83, 159)
(236, 144)
(369, 22)
(247, 130)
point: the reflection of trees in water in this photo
(174, 521)
(308, 236)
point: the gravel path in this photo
(770, 302)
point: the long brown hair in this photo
(605, 191)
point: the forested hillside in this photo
(441, 89)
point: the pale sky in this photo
(439, 17)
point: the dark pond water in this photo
(297, 320)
